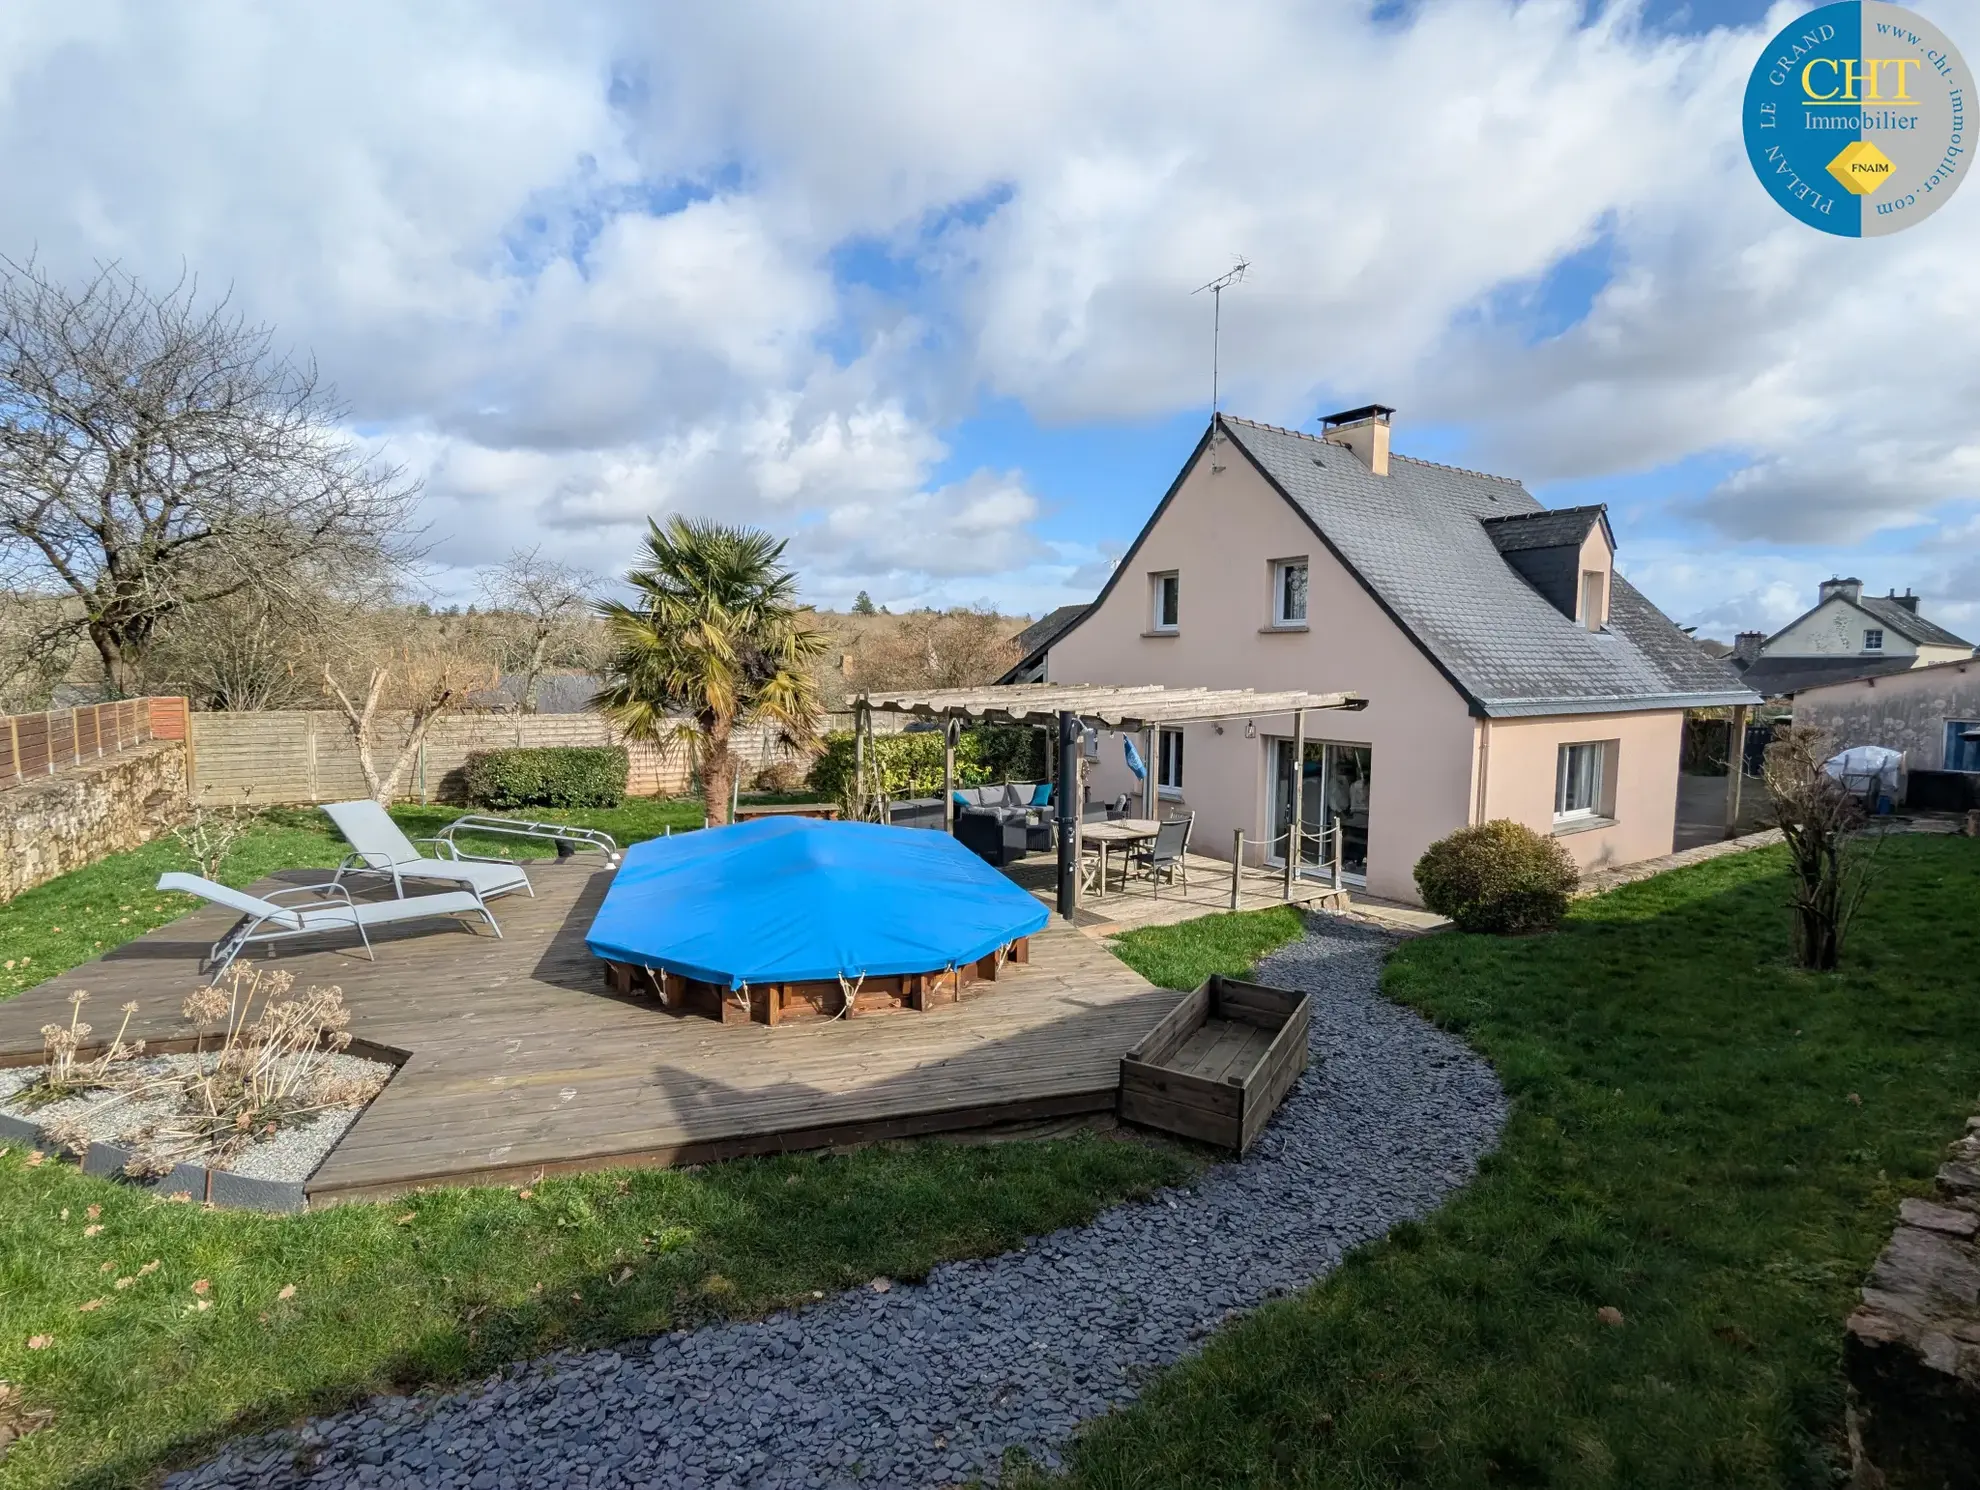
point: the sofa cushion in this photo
(1041, 794)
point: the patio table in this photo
(1125, 831)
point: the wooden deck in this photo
(517, 1061)
(1136, 901)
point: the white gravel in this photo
(292, 1153)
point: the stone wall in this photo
(1913, 1348)
(66, 821)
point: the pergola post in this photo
(1296, 799)
(1735, 768)
(950, 729)
(1068, 791)
(1148, 781)
(862, 722)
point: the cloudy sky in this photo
(911, 283)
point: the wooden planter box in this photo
(1218, 1067)
(791, 1003)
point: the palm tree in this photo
(714, 639)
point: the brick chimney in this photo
(1850, 589)
(1746, 647)
(1365, 431)
(1908, 600)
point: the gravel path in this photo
(924, 1384)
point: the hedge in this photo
(548, 776)
(910, 765)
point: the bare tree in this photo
(936, 649)
(37, 647)
(401, 698)
(1821, 820)
(551, 604)
(156, 455)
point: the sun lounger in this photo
(380, 846)
(267, 919)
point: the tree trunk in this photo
(718, 772)
(527, 703)
(119, 670)
(360, 722)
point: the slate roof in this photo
(1418, 538)
(1908, 623)
(1777, 677)
(1551, 527)
(1040, 634)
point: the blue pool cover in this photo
(791, 900)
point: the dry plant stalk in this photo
(63, 1075)
(270, 1069)
(1821, 821)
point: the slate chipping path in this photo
(927, 1384)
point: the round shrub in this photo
(1499, 876)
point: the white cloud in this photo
(578, 267)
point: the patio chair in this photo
(1167, 851)
(334, 911)
(380, 846)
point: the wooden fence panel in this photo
(304, 756)
(34, 745)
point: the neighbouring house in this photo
(1931, 713)
(1510, 670)
(1846, 635)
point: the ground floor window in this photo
(1578, 781)
(1169, 753)
(1963, 744)
(1333, 796)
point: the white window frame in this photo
(1876, 645)
(1169, 762)
(1282, 569)
(1158, 589)
(1589, 804)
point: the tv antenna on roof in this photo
(1216, 287)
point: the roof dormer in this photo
(1568, 554)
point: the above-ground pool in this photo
(785, 917)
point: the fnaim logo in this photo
(1856, 119)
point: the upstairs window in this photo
(1594, 599)
(1169, 751)
(1166, 593)
(1289, 592)
(1873, 639)
(1578, 781)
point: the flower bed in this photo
(242, 1118)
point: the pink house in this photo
(1510, 670)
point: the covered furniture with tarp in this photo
(788, 918)
(1872, 772)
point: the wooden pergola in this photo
(1071, 708)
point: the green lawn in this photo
(445, 1285)
(1701, 1138)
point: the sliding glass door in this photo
(1335, 788)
